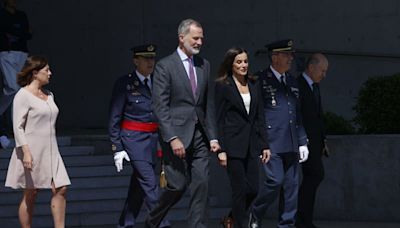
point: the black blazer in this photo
(312, 117)
(240, 134)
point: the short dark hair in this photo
(32, 63)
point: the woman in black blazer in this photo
(241, 131)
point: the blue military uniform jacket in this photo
(282, 113)
(131, 100)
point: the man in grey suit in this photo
(184, 107)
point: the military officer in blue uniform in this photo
(286, 137)
(133, 134)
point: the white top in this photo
(246, 101)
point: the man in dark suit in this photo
(183, 104)
(311, 110)
(133, 134)
(286, 137)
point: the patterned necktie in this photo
(146, 85)
(192, 77)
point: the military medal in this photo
(271, 91)
(295, 91)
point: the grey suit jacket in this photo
(174, 104)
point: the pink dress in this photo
(34, 122)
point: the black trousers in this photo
(243, 175)
(193, 170)
(313, 174)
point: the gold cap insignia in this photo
(150, 48)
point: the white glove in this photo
(119, 159)
(303, 150)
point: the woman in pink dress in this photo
(36, 162)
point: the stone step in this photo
(12, 198)
(64, 151)
(84, 172)
(73, 207)
(44, 196)
(61, 141)
(103, 219)
(119, 180)
(104, 201)
(74, 161)
(89, 160)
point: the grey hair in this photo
(184, 26)
(314, 59)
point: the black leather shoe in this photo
(253, 222)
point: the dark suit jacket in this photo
(239, 133)
(173, 102)
(312, 117)
(282, 113)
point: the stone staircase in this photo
(97, 192)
